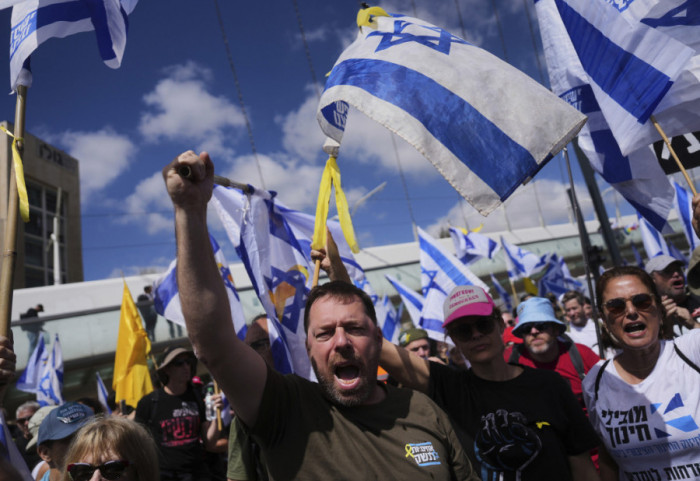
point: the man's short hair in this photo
(342, 291)
(33, 405)
(569, 295)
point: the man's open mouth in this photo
(347, 374)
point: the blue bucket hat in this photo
(536, 309)
(63, 421)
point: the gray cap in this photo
(660, 263)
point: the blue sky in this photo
(175, 91)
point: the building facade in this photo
(53, 189)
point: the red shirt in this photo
(562, 364)
(508, 336)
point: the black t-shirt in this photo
(175, 422)
(528, 425)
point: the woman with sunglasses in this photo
(516, 423)
(109, 449)
(644, 403)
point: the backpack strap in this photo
(685, 358)
(575, 356)
(598, 376)
(515, 353)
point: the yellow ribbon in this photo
(19, 176)
(409, 451)
(364, 16)
(330, 178)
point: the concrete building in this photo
(49, 173)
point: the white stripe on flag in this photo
(410, 298)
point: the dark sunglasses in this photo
(23, 420)
(110, 470)
(181, 362)
(540, 326)
(465, 330)
(618, 305)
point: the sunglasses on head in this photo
(465, 330)
(619, 304)
(110, 470)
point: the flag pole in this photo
(9, 255)
(219, 422)
(673, 153)
(515, 293)
(585, 247)
(186, 173)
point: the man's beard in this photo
(355, 397)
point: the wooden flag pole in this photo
(219, 422)
(9, 255)
(673, 153)
(515, 293)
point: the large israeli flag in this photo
(485, 126)
(29, 380)
(50, 389)
(472, 246)
(520, 262)
(685, 214)
(638, 176)
(35, 21)
(166, 299)
(441, 271)
(410, 298)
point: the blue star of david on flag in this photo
(440, 43)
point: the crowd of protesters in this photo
(551, 391)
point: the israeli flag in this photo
(35, 21)
(654, 242)
(166, 299)
(10, 452)
(685, 214)
(502, 293)
(388, 320)
(440, 273)
(557, 278)
(29, 380)
(637, 256)
(50, 389)
(280, 353)
(638, 177)
(412, 300)
(521, 263)
(472, 246)
(102, 394)
(485, 126)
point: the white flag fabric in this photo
(166, 298)
(520, 262)
(35, 21)
(557, 278)
(50, 389)
(630, 65)
(637, 176)
(10, 452)
(410, 298)
(472, 246)
(485, 126)
(388, 320)
(685, 214)
(654, 242)
(441, 271)
(505, 297)
(29, 380)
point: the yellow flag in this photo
(131, 379)
(530, 287)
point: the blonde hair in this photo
(125, 438)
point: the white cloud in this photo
(103, 156)
(301, 135)
(318, 34)
(521, 209)
(182, 108)
(146, 205)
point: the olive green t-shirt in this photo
(405, 436)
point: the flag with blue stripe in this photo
(637, 256)
(35, 21)
(9, 451)
(484, 125)
(412, 300)
(520, 262)
(102, 394)
(653, 241)
(50, 389)
(685, 214)
(29, 380)
(638, 177)
(387, 319)
(630, 65)
(502, 293)
(166, 298)
(557, 278)
(472, 246)
(441, 271)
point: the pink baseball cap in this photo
(467, 301)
